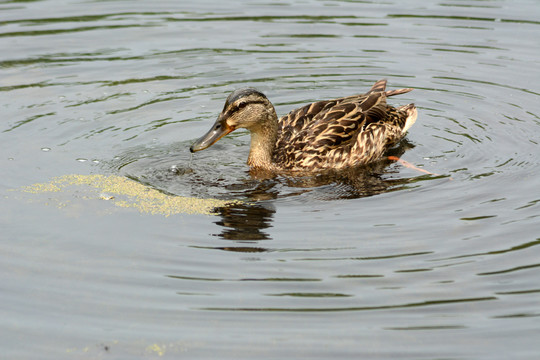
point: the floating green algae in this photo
(124, 192)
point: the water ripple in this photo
(360, 308)
(348, 260)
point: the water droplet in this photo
(45, 149)
(82, 160)
(95, 161)
(105, 196)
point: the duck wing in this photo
(343, 122)
(333, 132)
(300, 118)
(309, 140)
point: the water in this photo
(383, 263)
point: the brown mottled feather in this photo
(341, 132)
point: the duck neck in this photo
(263, 142)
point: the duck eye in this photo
(241, 105)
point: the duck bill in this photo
(218, 130)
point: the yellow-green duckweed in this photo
(124, 192)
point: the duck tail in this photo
(412, 114)
(379, 86)
(398, 91)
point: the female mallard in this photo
(328, 134)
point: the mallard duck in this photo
(329, 134)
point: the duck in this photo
(332, 134)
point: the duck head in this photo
(244, 108)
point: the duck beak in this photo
(218, 130)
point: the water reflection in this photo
(245, 222)
(248, 222)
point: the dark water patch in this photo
(359, 276)
(390, 256)
(413, 270)
(428, 328)
(355, 309)
(75, 19)
(462, 18)
(313, 295)
(483, 217)
(518, 315)
(269, 18)
(505, 271)
(68, 31)
(503, 251)
(522, 292)
(28, 121)
(177, 277)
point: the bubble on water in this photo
(180, 170)
(45, 149)
(105, 196)
(82, 160)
